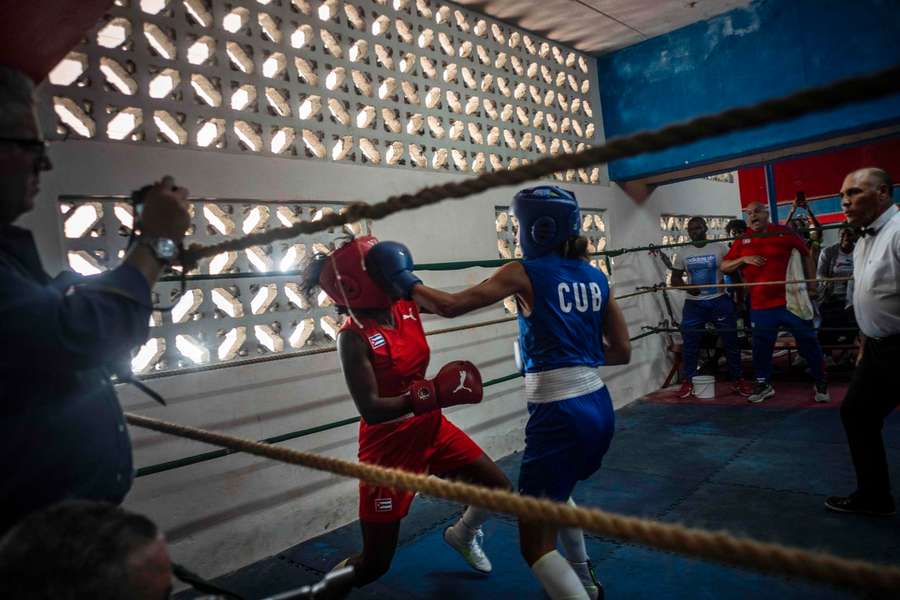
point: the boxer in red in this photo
(384, 355)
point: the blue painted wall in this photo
(771, 48)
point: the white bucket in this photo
(704, 386)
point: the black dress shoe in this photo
(854, 503)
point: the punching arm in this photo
(509, 280)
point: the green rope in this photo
(205, 456)
(468, 264)
(213, 454)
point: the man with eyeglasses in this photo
(62, 432)
(867, 201)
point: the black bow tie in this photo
(864, 231)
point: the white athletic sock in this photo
(470, 523)
(572, 541)
(559, 580)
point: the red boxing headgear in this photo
(345, 280)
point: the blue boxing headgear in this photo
(548, 216)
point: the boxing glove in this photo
(458, 382)
(390, 265)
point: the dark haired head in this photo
(309, 280)
(736, 227)
(312, 269)
(697, 219)
(73, 550)
(575, 247)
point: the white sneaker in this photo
(471, 551)
(821, 391)
(761, 391)
(585, 572)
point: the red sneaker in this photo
(742, 387)
(686, 390)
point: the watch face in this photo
(166, 249)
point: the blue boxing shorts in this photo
(565, 441)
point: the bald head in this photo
(757, 216)
(865, 195)
(875, 176)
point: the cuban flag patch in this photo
(384, 504)
(377, 341)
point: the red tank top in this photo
(399, 354)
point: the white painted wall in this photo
(226, 513)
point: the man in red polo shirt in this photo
(766, 258)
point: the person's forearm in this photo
(730, 265)
(142, 258)
(809, 267)
(83, 322)
(791, 214)
(437, 301)
(815, 222)
(618, 354)
(380, 410)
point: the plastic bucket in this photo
(704, 386)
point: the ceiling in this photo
(599, 26)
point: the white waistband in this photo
(561, 384)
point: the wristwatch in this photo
(164, 249)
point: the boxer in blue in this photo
(569, 325)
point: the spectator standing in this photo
(59, 415)
(866, 198)
(836, 297)
(701, 261)
(763, 255)
(736, 228)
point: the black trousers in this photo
(872, 396)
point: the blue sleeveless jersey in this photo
(565, 327)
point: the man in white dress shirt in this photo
(866, 197)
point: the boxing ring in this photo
(713, 546)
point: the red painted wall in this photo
(819, 175)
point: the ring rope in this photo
(307, 352)
(866, 87)
(327, 349)
(747, 329)
(487, 263)
(716, 546)
(186, 461)
(744, 285)
(639, 292)
(205, 456)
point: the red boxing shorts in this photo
(427, 443)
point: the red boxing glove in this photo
(458, 382)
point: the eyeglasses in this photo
(38, 148)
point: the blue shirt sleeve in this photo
(75, 322)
